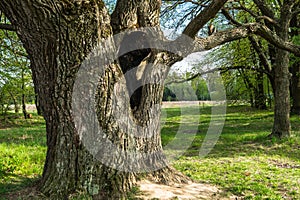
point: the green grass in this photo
(243, 161)
(22, 151)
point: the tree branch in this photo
(262, 57)
(197, 75)
(200, 20)
(7, 27)
(258, 18)
(222, 69)
(272, 21)
(244, 31)
(230, 18)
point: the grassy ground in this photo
(22, 151)
(242, 162)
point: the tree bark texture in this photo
(259, 92)
(295, 88)
(61, 35)
(295, 70)
(282, 126)
(58, 36)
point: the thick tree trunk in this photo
(295, 88)
(295, 70)
(282, 126)
(145, 70)
(58, 37)
(260, 98)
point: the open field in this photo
(243, 162)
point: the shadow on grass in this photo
(16, 120)
(13, 182)
(245, 133)
(30, 136)
(17, 130)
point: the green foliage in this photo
(183, 91)
(15, 75)
(200, 86)
(196, 89)
(169, 95)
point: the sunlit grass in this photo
(22, 152)
(243, 161)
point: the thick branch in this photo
(244, 31)
(258, 18)
(7, 27)
(230, 18)
(196, 75)
(200, 20)
(262, 57)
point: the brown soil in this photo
(190, 191)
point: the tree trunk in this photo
(260, 98)
(295, 69)
(37, 102)
(25, 114)
(58, 37)
(295, 88)
(282, 126)
(15, 102)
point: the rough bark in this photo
(282, 126)
(295, 70)
(58, 36)
(295, 88)
(145, 70)
(260, 98)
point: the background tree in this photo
(273, 16)
(279, 19)
(15, 73)
(295, 66)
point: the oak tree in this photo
(61, 35)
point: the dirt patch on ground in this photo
(149, 191)
(191, 191)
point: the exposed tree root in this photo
(168, 176)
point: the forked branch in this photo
(244, 31)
